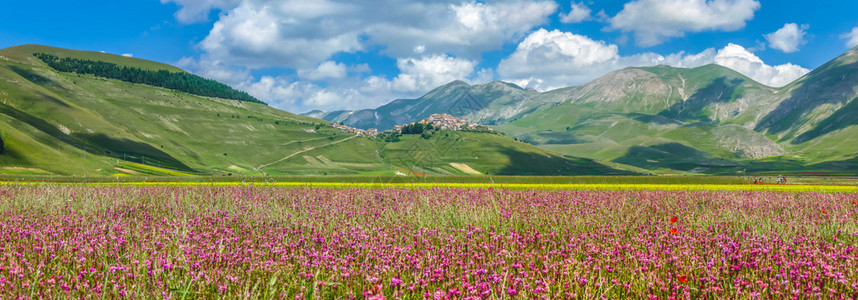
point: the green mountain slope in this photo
(24, 53)
(818, 103)
(77, 124)
(658, 117)
(490, 103)
(708, 119)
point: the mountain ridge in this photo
(64, 123)
(708, 113)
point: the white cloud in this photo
(788, 38)
(279, 92)
(301, 34)
(299, 96)
(551, 59)
(461, 28)
(429, 72)
(416, 77)
(215, 69)
(326, 70)
(197, 10)
(483, 76)
(579, 13)
(128, 55)
(740, 59)
(851, 38)
(268, 35)
(434, 42)
(655, 21)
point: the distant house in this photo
(372, 132)
(439, 121)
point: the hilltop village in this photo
(438, 121)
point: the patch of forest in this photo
(184, 82)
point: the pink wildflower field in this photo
(85, 241)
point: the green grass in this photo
(486, 153)
(71, 124)
(25, 53)
(152, 170)
(603, 132)
(388, 177)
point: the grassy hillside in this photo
(486, 154)
(489, 104)
(24, 53)
(77, 124)
(179, 81)
(662, 119)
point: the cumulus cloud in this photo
(743, 61)
(579, 13)
(417, 75)
(325, 70)
(851, 38)
(429, 72)
(551, 59)
(655, 21)
(192, 11)
(215, 69)
(547, 60)
(300, 96)
(301, 34)
(270, 35)
(788, 38)
(433, 42)
(127, 54)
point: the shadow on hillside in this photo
(550, 138)
(10, 154)
(830, 86)
(719, 90)
(97, 144)
(36, 78)
(842, 118)
(674, 156)
(524, 163)
(838, 167)
(132, 151)
(657, 119)
(39, 124)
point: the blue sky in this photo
(332, 54)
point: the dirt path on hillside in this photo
(303, 151)
(465, 168)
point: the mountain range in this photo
(83, 113)
(69, 112)
(662, 119)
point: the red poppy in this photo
(673, 220)
(854, 202)
(674, 230)
(682, 279)
(825, 212)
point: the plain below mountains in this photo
(68, 112)
(709, 119)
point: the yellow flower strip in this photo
(663, 187)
